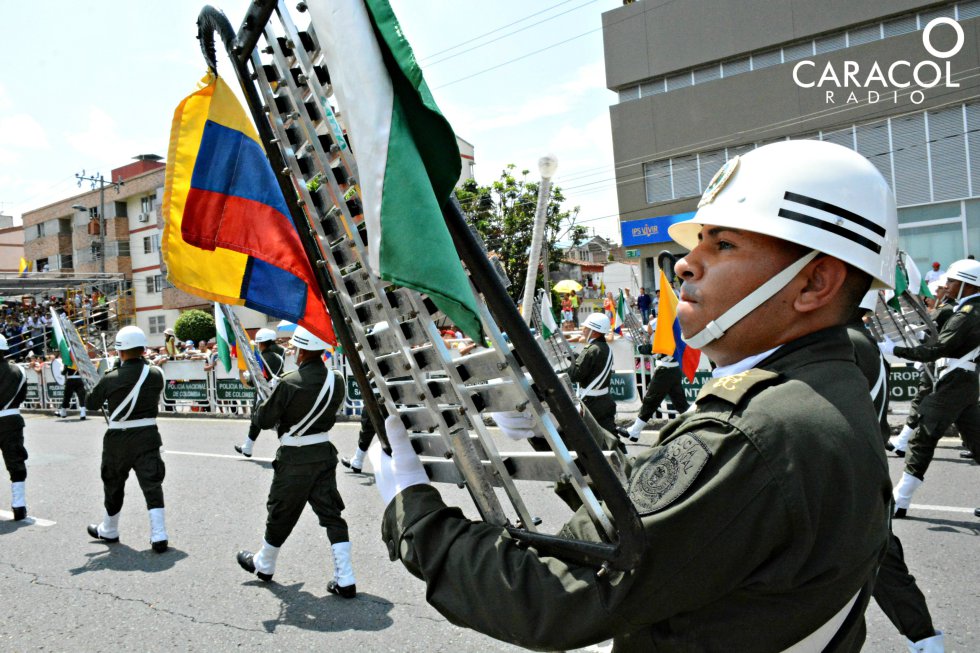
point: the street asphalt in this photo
(60, 590)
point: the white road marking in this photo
(37, 521)
(218, 455)
(916, 506)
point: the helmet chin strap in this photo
(717, 327)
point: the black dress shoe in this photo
(900, 513)
(20, 512)
(160, 546)
(976, 512)
(346, 462)
(347, 592)
(93, 530)
(247, 562)
(966, 454)
(241, 451)
(899, 453)
(889, 446)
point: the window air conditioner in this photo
(143, 217)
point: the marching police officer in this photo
(942, 311)
(131, 395)
(364, 438)
(73, 386)
(666, 380)
(955, 398)
(13, 389)
(273, 364)
(895, 589)
(303, 409)
(592, 371)
(766, 507)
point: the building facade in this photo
(11, 244)
(701, 81)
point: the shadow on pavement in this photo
(969, 527)
(120, 557)
(8, 526)
(325, 614)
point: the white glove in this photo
(887, 347)
(400, 470)
(515, 425)
(636, 429)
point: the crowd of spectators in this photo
(26, 323)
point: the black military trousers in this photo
(296, 484)
(923, 390)
(953, 401)
(14, 453)
(253, 427)
(367, 432)
(666, 381)
(899, 597)
(120, 454)
(603, 409)
(73, 386)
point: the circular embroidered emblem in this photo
(718, 181)
(656, 478)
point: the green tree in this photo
(503, 214)
(194, 325)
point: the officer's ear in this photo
(823, 280)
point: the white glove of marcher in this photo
(400, 470)
(887, 347)
(516, 425)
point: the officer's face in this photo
(726, 266)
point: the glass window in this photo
(656, 178)
(872, 143)
(681, 80)
(798, 51)
(943, 211)
(631, 93)
(736, 67)
(830, 43)
(968, 9)
(909, 154)
(942, 243)
(947, 154)
(900, 26)
(862, 35)
(685, 170)
(702, 75)
(766, 59)
(973, 227)
(654, 87)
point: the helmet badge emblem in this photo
(718, 181)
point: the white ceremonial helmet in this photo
(3, 344)
(598, 322)
(303, 339)
(130, 337)
(966, 270)
(265, 335)
(816, 194)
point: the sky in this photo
(88, 86)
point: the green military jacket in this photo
(942, 312)
(765, 511)
(274, 360)
(960, 334)
(872, 364)
(12, 393)
(113, 388)
(293, 399)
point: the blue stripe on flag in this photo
(272, 290)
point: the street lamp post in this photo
(97, 178)
(547, 165)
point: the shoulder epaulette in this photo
(732, 388)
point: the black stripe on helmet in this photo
(835, 210)
(832, 228)
(971, 277)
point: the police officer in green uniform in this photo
(666, 381)
(766, 507)
(592, 371)
(13, 389)
(73, 386)
(273, 365)
(942, 312)
(303, 409)
(895, 589)
(955, 398)
(131, 395)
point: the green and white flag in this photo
(548, 325)
(407, 158)
(225, 338)
(61, 342)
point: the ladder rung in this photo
(479, 367)
(498, 397)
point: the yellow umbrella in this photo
(568, 285)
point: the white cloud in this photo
(19, 132)
(102, 141)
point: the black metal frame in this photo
(626, 552)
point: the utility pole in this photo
(98, 179)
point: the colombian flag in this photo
(228, 235)
(667, 338)
(25, 267)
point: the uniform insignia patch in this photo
(663, 478)
(718, 181)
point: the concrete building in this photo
(701, 81)
(11, 244)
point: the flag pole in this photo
(239, 48)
